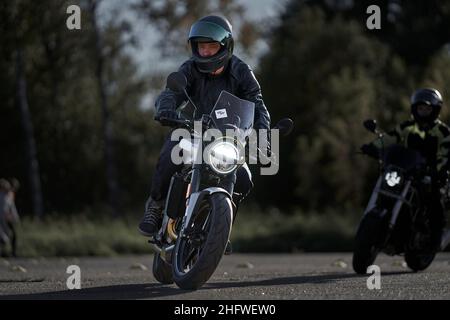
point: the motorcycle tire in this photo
(417, 261)
(219, 228)
(367, 241)
(162, 271)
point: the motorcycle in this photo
(396, 219)
(199, 210)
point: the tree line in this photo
(74, 132)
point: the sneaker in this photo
(153, 216)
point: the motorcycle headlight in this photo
(393, 178)
(223, 156)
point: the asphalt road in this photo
(239, 276)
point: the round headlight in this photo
(223, 157)
(392, 178)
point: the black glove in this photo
(167, 115)
(370, 150)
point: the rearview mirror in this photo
(176, 81)
(285, 126)
(370, 125)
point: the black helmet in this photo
(212, 29)
(428, 96)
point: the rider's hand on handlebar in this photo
(167, 117)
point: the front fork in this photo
(195, 195)
(167, 237)
(401, 199)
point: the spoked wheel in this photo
(197, 254)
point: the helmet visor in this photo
(209, 30)
(426, 97)
(424, 110)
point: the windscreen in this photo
(230, 112)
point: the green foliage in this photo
(438, 76)
(65, 108)
(174, 18)
(324, 69)
(329, 74)
(79, 236)
(274, 231)
(331, 90)
(93, 234)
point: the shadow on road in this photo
(117, 292)
(326, 278)
(158, 291)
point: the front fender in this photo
(194, 202)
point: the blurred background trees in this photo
(79, 87)
(329, 72)
(84, 100)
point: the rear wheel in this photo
(162, 271)
(418, 261)
(420, 253)
(367, 241)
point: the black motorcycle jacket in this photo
(204, 89)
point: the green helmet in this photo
(212, 29)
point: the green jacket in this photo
(432, 143)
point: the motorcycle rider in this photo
(211, 69)
(429, 136)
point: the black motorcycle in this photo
(396, 220)
(199, 210)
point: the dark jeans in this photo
(165, 169)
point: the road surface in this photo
(239, 276)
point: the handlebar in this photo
(176, 122)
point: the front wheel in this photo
(367, 241)
(197, 254)
(420, 253)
